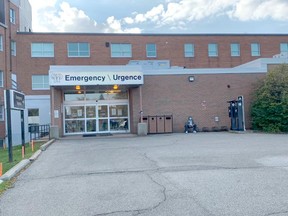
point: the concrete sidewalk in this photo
(171, 174)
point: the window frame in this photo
(13, 48)
(2, 113)
(78, 50)
(189, 50)
(151, 50)
(211, 51)
(235, 52)
(122, 53)
(255, 52)
(43, 83)
(1, 42)
(285, 49)
(1, 79)
(42, 53)
(12, 15)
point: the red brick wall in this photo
(204, 99)
(169, 47)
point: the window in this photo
(12, 16)
(213, 50)
(121, 50)
(189, 50)
(1, 79)
(235, 49)
(42, 50)
(13, 48)
(33, 116)
(40, 82)
(1, 43)
(255, 49)
(151, 50)
(283, 47)
(1, 113)
(78, 50)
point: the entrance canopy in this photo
(95, 75)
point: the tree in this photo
(270, 104)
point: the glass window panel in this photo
(74, 112)
(189, 50)
(103, 124)
(119, 124)
(33, 112)
(255, 49)
(235, 49)
(74, 126)
(91, 112)
(1, 43)
(102, 111)
(1, 79)
(121, 50)
(284, 48)
(74, 96)
(151, 50)
(212, 50)
(91, 125)
(118, 111)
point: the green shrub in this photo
(270, 104)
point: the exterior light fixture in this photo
(191, 78)
(115, 87)
(77, 87)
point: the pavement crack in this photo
(276, 213)
(142, 211)
(154, 162)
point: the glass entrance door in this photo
(98, 118)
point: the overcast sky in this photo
(160, 16)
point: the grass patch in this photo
(17, 157)
(17, 154)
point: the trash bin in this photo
(160, 124)
(168, 124)
(152, 124)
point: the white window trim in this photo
(33, 88)
(42, 51)
(215, 53)
(2, 113)
(189, 54)
(78, 51)
(1, 79)
(1, 43)
(13, 48)
(253, 52)
(13, 17)
(233, 53)
(112, 56)
(151, 54)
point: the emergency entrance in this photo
(94, 99)
(96, 112)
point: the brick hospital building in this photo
(85, 83)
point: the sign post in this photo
(14, 101)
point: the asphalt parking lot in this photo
(203, 174)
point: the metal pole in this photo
(9, 128)
(141, 104)
(23, 129)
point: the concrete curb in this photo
(15, 170)
(35, 155)
(22, 164)
(46, 145)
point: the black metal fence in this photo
(39, 131)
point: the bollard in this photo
(23, 152)
(32, 145)
(1, 169)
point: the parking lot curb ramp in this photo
(24, 163)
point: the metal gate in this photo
(159, 124)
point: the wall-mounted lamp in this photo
(191, 78)
(107, 44)
(115, 87)
(77, 87)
